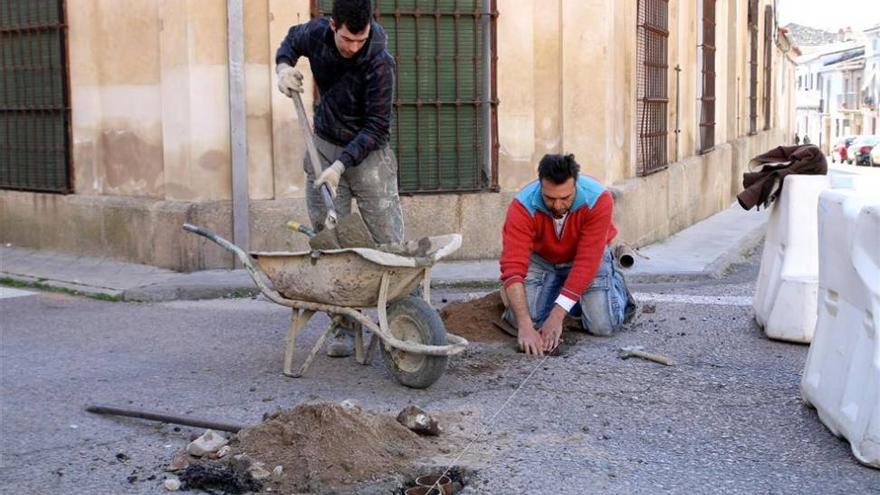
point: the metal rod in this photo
(493, 75)
(400, 151)
(677, 107)
(486, 116)
(418, 63)
(238, 125)
(166, 418)
(475, 64)
(437, 146)
(455, 61)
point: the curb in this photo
(713, 271)
(102, 293)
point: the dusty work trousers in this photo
(603, 308)
(372, 183)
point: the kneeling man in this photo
(556, 260)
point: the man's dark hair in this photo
(355, 14)
(558, 168)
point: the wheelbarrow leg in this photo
(426, 285)
(315, 349)
(382, 304)
(374, 343)
(359, 344)
(298, 321)
(364, 354)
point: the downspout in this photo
(237, 125)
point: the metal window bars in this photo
(768, 65)
(753, 66)
(444, 129)
(652, 86)
(707, 95)
(35, 132)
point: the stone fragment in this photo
(178, 463)
(258, 472)
(172, 484)
(419, 421)
(207, 443)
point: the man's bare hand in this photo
(551, 335)
(530, 341)
(551, 330)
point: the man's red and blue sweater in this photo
(587, 231)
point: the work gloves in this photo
(290, 80)
(330, 176)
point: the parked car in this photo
(875, 156)
(838, 154)
(860, 149)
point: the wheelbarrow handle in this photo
(195, 229)
(225, 244)
(255, 273)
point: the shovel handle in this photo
(313, 156)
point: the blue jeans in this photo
(602, 308)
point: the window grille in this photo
(753, 66)
(768, 64)
(707, 97)
(444, 128)
(34, 97)
(652, 87)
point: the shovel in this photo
(349, 232)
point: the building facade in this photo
(870, 89)
(138, 125)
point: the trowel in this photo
(348, 232)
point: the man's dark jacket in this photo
(762, 184)
(354, 110)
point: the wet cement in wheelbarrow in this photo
(330, 448)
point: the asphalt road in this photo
(727, 418)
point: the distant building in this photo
(838, 86)
(805, 36)
(826, 98)
(871, 81)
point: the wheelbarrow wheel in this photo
(412, 319)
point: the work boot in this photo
(631, 307)
(341, 343)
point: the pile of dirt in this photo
(326, 447)
(473, 319)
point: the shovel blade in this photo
(350, 232)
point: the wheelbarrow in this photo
(344, 283)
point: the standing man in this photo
(354, 74)
(555, 258)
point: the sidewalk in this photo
(704, 250)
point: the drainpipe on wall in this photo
(237, 125)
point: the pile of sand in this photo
(473, 319)
(327, 445)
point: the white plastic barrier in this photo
(842, 373)
(787, 287)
